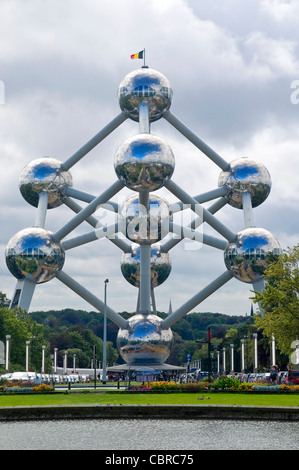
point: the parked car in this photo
(296, 377)
(20, 376)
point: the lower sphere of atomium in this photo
(244, 175)
(249, 255)
(33, 254)
(160, 266)
(144, 341)
(145, 85)
(144, 226)
(144, 162)
(44, 175)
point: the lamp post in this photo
(232, 359)
(255, 352)
(55, 360)
(27, 355)
(43, 359)
(273, 350)
(242, 357)
(104, 378)
(7, 355)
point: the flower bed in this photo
(25, 387)
(223, 384)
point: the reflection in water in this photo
(149, 435)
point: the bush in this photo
(43, 388)
(226, 383)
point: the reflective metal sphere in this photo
(249, 255)
(160, 265)
(144, 162)
(147, 85)
(144, 341)
(33, 254)
(44, 174)
(142, 226)
(244, 175)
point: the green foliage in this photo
(22, 328)
(279, 301)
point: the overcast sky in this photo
(231, 64)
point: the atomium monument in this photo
(143, 163)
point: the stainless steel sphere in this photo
(33, 254)
(144, 341)
(160, 265)
(142, 226)
(145, 84)
(144, 162)
(244, 175)
(249, 255)
(44, 174)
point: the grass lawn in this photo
(274, 399)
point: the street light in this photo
(104, 378)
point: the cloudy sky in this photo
(232, 65)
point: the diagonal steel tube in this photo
(91, 299)
(211, 154)
(88, 210)
(101, 135)
(196, 299)
(207, 216)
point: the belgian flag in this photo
(139, 55)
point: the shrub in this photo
(43, 388)
(226, 383)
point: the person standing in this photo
(290, 374)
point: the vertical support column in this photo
(23, 294)
(247, 210)
(255, 369)
(42, 207)
(144, 123)
(145, 249)
(145, 279)
(25, 289)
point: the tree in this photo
(279, 301)
(20, 326)
(4, 301)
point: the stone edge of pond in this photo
(200, 411)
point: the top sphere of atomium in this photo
(33, 254)
(145, 85)
(44, 175)
(144, 162)
(244, 175)
(250, 254)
